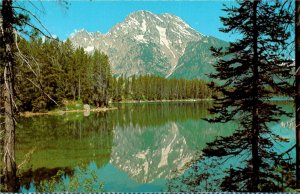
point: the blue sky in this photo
(103, 15)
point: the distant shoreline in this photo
(62, 112)
(145, 101)
(277, 98)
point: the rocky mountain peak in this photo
(144, 43)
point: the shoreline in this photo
(276, 98)
(145, 101)
(62, 112)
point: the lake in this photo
(139, 147)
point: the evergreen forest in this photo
(51, 73)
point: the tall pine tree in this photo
(8, 64)
(249, 67)
(297, 99)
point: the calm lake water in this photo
(139, 147)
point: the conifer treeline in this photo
(150, 87)
(51, 72)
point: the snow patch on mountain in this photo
(144, 27)
(159, 18)
(171, 71)
(140, 38)
(143, 39)
(163, 38)
(133, 21)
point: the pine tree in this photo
(67, 69)
(247, 68)
(100, 78)
(297, 100)
(13, 20)
(8, 64)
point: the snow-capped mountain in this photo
(144, 43)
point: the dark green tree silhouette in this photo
(252, 70)
(8, 63)
(14, 18)
(297, 99)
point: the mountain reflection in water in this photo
(136, 148)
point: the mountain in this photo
(197, 62)
(147, 43)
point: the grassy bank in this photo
(69, 106)
(62, 112)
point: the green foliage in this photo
(50, 71)
(257, 66)
(73, 105)
(150, 87)
(98, 81)
(83, 180)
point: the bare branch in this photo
(32, 26)
(23, 57)
(35, 17)
(27, 158)
(286, 152)
(42, 91)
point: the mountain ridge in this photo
(148, 43)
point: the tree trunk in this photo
(73, 90)
(79, 89)
(9, 163)
(255, 126)
(297, 99)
